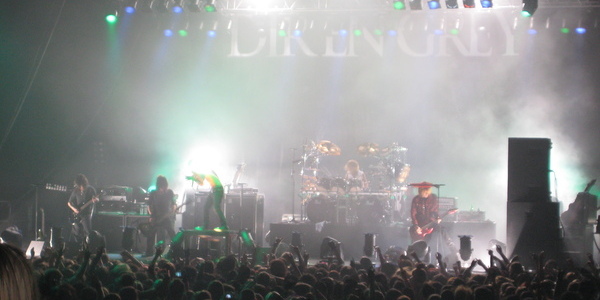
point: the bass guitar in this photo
(428, 228)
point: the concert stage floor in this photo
(352, 237)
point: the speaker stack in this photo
(532, 218)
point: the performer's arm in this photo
(71, 202)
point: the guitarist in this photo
(81, 202)
(161, 206)
(424, 210)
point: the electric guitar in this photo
(145, 227)
(78, 216)
(428, 228)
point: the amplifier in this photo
(112, 206)
(113, 198)
(246, 213)
(471, 216)
(445, 204)
(116, 193)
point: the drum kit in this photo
(339, 200)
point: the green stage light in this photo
(399, 5)
(357, 32)
(111, 19)
(565, 30)
(183, 32)
(210, 7)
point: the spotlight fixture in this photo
(433, 4)
(529, 7)
(210, 6)
(465, 247)
(469, 3)
(399, 4)
(328, 248)
(451, 4)
(297, 239)
(487, 3)
(369, 244)
(415, 4)
(419, 248)
(247, 239)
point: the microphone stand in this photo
(292, 173)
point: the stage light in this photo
(465, 247)
(454, 31)
(392, 33)
(369, 244)
(469, 3)
(326, 248)
(433, 4)
(297, 239)
(183, 32)
(357, 32)
(297, 32)
(282, 32)
(532, 31)
(415, 4)
(486, 3)
(419, 248)
(129, 9)
(210, 6)
(529, 7)
(177, 9)
(580, 30)
(343, 32)
(211, 33)
(247, 239)
(399, 5)
(565, 30)
(452, 4)
(111, 19)
(153, 187)
(438, 32)
(377, 32)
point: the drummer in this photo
(356, 178)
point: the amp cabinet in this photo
(246, 211)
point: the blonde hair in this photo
(18, 281)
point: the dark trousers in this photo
(161, 231)
(214, 199)
(82, 228)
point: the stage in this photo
(352, 237)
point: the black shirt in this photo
(79, 198)
(161, 203)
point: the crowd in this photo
(92, 275)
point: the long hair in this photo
(161, 182)
(81, 180)
(18, 281)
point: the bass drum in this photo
(320, 208)
(371, 209)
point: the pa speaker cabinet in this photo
(246, 211)
(111, 227)
(528, 169)
(533, 227)
(194, 211)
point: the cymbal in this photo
(328, 148)
(367, 149)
